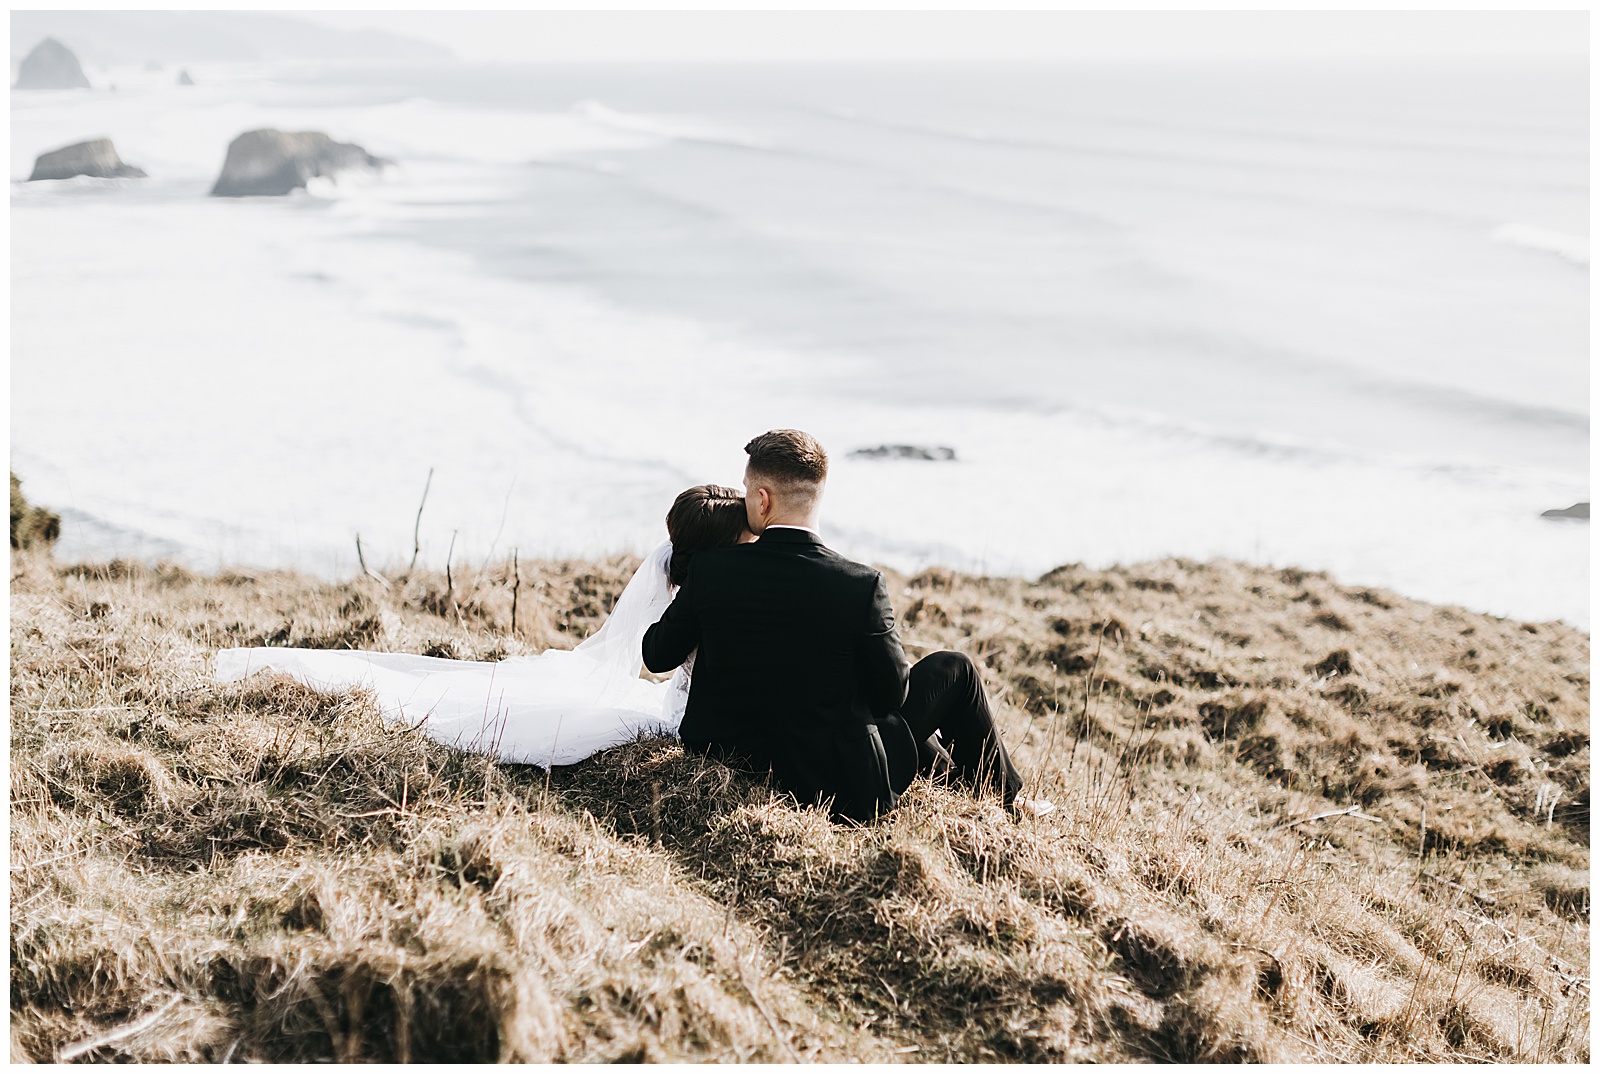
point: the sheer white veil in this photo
(616, 645)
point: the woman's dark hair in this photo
(706, 516)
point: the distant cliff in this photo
(51, 65)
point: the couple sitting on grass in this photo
(785, 656)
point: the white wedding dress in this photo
(552, 709)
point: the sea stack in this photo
(51, 65)
(97, 158)
(184, 79)
(271, 162)
(1577, 510)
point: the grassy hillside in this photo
(1299, 821)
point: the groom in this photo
(798, 668)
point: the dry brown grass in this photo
(256, 871)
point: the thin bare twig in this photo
(370, 573)
(449, 580)
(416, 531)
(505, 509)
(516, 585)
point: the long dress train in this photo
(555, 708)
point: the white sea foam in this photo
(263, 379)
(261, 439)
(679, 127)
(1573, 248)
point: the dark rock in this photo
(97, 158)
(1577, 510)
(906, 451)
(184, 79)
(270, 162)
(51, 65)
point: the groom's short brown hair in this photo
(789, 456)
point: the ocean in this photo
(1331, 315)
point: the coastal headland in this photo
(1299, 821)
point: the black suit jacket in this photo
(798, 669)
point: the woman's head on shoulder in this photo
(705, 516)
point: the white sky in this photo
(977, 35)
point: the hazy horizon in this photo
(124, 36)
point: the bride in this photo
(555, 708)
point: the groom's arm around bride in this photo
(799, 670)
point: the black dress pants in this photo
(946, 695)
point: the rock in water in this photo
(184, 79)
(97, 158)
(906, 451)
(51, 65)
(1577, 510)
(272, 162)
